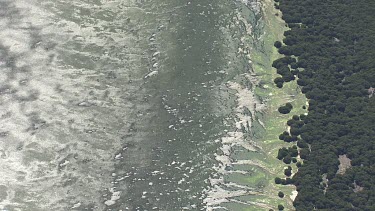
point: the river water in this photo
(127, 104)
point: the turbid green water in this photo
(130, 105)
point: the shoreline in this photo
(275, 122)
(261, 100)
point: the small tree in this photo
(281, 194)
(293, 151)
(295, 117)
(294, 71)
(278, 80)
(289, 105)
(288, 77)
(288, 171)
(302, 144)
(280, 207)
(282, 136)
(287, 159)
(278, 180)
(295, 131)
(304, 153)
(278, 44)
(288, 139)
(294, 65)
(282, 153)
(284, 110)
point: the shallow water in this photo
(127, 105)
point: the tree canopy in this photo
(333, 43)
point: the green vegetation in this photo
(278, 44)
(330, 50)
(280, 207)
(286, 109)
(262, 57)
(288, 171)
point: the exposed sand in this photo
(345, 163)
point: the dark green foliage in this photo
(284, 61)
(283, 70)
(304, 153)
(285, 109)
(334, 43)
(295, 131)
(278, 80)
(287, 159)
(293, 151)
(302, 82)
(294, 138)
(278, 44)
(280, 207)
(288, 139)
(294, 65)
(281, 194)
(287, 152)
(278, 180)
(282, 153)
(294, 71)
(289, 181)
(288, 171)
(286, 50)
(288, 76)
(302, 144)
(295, 118)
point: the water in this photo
(127, 105)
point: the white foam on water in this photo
(116, 195)
(247, 104)
(155, 72)
(61, 117)
(217, 194)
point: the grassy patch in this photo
(275, 122)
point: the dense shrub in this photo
(334, 43)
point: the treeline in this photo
(330, 51)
